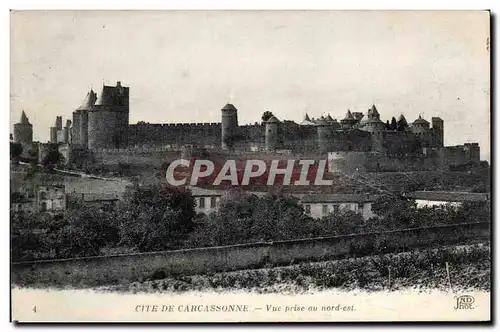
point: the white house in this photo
(51, 198)
(439, 198)
(206, 200)
(315, 205)
(320, 205)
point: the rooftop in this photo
(273, 119)
(421, 121)
(349, 116)
(449, 196)
(338, 198)
(229, 107)
(24, 118)
(89, 101)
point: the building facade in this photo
(440, 198)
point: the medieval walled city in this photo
(330, 186)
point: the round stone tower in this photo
(324, 134)
(420, 126)
(376, 127)
(272, 127)
(229, 126)
(23, 131)
(81, 119)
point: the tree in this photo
(395, 212)
(394, 124)
(16, 149)
(155, 217)
(402, 124)
(342, 223)
(53, 158)
(249, 218)
(266, 116)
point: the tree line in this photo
(156, 217)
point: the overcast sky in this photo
(184, 66)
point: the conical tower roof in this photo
(24, 118)
(329, 118)
(421, 121)
(307, 121)
(373, 112)
(349, 116)
(273, 119)
(321, 122)
(401, 118)
(106, 97)
(89, 101)
(229, 107)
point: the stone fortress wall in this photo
(100, 132)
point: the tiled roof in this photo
(273, 119)
(24, 118)
(95, 197)
(198, 191)
(349, 116)
(307, 123)
(321, 122)
(89, 101)
(229, 107)
(358, 115)
(421, 121)
(449, 196)
(338, 198)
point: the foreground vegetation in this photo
(155, 218)
(469, 267)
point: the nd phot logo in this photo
(464, 302)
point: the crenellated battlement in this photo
(173, 125)
(101, 125)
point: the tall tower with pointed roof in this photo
(81, 120)
(272, 132)
(376, 128)
(23, 131)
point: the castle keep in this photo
(101, 124)
(102, 121)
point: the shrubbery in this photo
(150, 218)
(395, 212)
(249, 218)
(154, 218)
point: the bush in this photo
(248, 218)
(155, 217)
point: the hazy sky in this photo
(184, 66)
